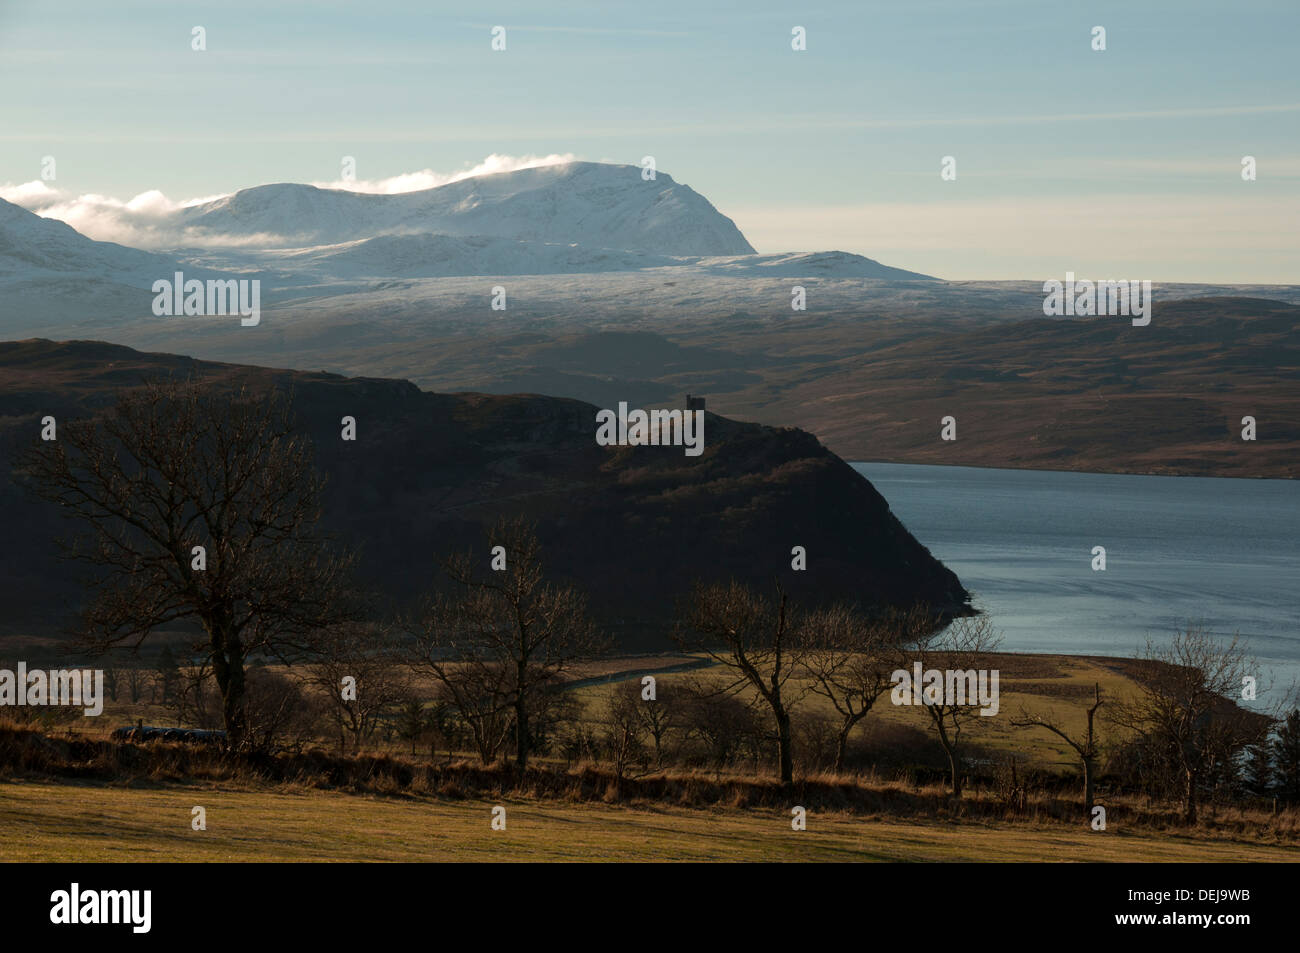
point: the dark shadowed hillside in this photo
(634, 526)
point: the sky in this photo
(1122, 163)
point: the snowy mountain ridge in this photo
(595, 205)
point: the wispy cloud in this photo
(148, 220)
(429, 179)
(142, 221)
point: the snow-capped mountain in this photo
(54, 280)
(594, 205)
(592, 240)
(34, 247)
(576, 218)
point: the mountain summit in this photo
(592, 204)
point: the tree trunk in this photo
(521, 732)
(1189, 798)
(480, 742)
(233, 708)
(228, 668)
(1088, 791)
(784, 742)
(951, 751)
(841, 746)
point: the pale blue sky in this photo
(1123, 163)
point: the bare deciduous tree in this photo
(659, 716)
(112, 678)
(755, 638)
(353, 669)
(278, 710)
(845, 661)
(191, 698)
(623, 728)
(504, 638)
(724, 722)
(1185, 706)
(959, 647)
(1086, 746)
(135, 679)
(473, 682)
(176, 466)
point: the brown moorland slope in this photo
(1067, 394)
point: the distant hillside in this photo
(1083, 394)
(1091, 394)
(1086, 394)
(812, 265)
(634, 526)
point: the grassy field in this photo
(41, 821)
(147, 817)
(1058, 686)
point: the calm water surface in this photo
(1224, 551)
